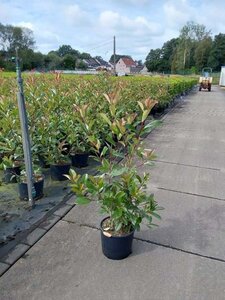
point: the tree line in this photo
(12, 37)
(194, 49)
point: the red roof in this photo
(128, 62)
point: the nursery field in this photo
(64, 118)
(63, 111)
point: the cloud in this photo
(139, 25)
(109, 19)
(178, 15)
(75, 15)
(26, 25)
(113, 21)
(133, 2)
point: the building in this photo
(97, 64)
(124, 65)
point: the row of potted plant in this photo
(63, 116)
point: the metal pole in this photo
(25, 134)
(114, 54)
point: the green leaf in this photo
(156, 215)
(104, 151)
(105, 118)
(141, 105)
(81, 200)
(144, 115)
(118, 226)
(151, 125)
(117, 213)
(118, 171)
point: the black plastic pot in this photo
(9, 172)
(79, 160)
(23, 191)
(116, 247)
(57, 171)
(42, 162)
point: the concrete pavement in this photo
(184, 258)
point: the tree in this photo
(52, 61)
(67, 49)
(217, 54)
(202, 53)
(12, 37)
(153, 60)
(81, 65)
(69, 62)
(190, 35)
(84, 55)
(167, 54)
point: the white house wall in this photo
(122, 68)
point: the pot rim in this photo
(116, 236)
(61, 165)
(42, 179)
(79, 153)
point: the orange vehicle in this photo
(205, 81)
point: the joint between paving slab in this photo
(159, 244)
(180, 249)
(185, 165)
(191, 194)
(81, 224)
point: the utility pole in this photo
(114, 54)
(25, 134)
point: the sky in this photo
(89, 26)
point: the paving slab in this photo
(34, 236)
(181, 178)
(62, 210)
(15, 254)
(3, 268)
(85, 215)
(73, 267)
(49, 222)
(190, 223)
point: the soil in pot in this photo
(58, 171)
(79, 160)
(116, 247)
(38, 185)
(10, 174)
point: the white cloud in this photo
(75, 15)
(110, 20)
(135, 2)
(25, 24)
(177, 15)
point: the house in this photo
(97, 64)
(136, 70)
(124, 65)
(144, 70)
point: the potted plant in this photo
(38, 184)
(80, 127)
(59, 162)
(120, 188)
(11, 161)
(11, 167)
(79, 147)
